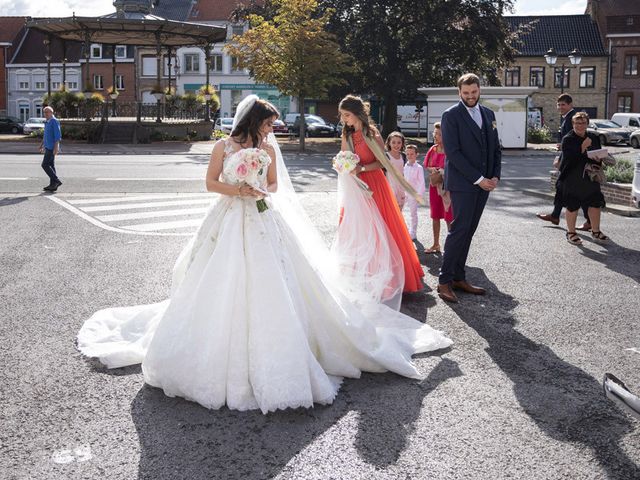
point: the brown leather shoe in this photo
(446, 294)
(548, 218)
(467, 287)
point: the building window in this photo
(536, 77)
(557, 75)
(23, 85)
(237, 29)
(234, 64)
(98, 83)
(120, 82)
(512, 77)
(631, 65)
(55, 86)
(191, 62)
(629, 21)
(96, 50)
(121, 51)
(38, 108)
(71, 85)
(587, 77)
(39, 85)
(625, 102)
(216, 63)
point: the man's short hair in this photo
(580, 115)
(468, 79)
(48, 109)
(411, 146)
(565, 98)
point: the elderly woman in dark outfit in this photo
(576, 189)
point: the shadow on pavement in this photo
(181, 439)
(5, 202)
(566, 403)
(617, 258)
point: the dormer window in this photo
(96, 50)
(629, 21)
(121, 51)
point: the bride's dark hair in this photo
(360, 109)
(249, 126)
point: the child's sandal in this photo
(573, 238)
(599, 236)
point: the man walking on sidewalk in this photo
(50, 146)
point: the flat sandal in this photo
(573, 238)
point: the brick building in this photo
(11, 31)
(586, 82)
(619, 25)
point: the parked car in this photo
(316, 126)
(224, 124)
(634, 139)
(279, 127)
(33, 125)
(608, 131)
(10, 125)
(635, 187)
(627, 120)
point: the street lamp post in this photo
(552, 57)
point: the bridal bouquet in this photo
(344, 163)
(247, 167)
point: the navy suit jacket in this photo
(471, 152)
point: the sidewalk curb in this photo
(613, 208)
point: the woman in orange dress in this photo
(355, 116)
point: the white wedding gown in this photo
(252, 322)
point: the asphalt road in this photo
(518, 395)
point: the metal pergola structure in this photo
(131, 24)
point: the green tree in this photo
(292, 51)
(399, 45)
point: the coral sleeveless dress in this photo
(386, 202)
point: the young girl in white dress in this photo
(254, 319)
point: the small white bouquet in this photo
(247, 167)
(344, 163)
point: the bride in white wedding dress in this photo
(256, 317)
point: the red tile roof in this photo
(10, 27)
(205, 10)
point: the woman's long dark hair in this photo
(355, 105)
(249, 126)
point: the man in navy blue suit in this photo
(472, 170)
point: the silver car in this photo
(224, 124)
(634, 139)
(608, 131)
(33, 125)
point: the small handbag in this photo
(435, 174)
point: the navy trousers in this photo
(467, 210)
(48, 165)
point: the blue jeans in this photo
(48, 165)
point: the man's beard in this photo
(468, 105)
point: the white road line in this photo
(133, 206)
(147, 227)
(93, 201)
(156, 214)
(104, 226)
(14, 178)
(156, 179)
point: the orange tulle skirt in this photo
(388, 206)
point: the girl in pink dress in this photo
(434, 162)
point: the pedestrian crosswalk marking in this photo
(158, 214)
(133, 198)
(134, 206)
(153, 214)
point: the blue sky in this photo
(64, 8)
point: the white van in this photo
(627, 120)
